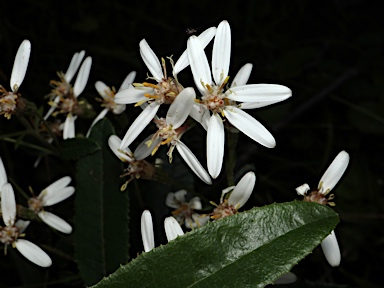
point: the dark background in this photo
(328, 52)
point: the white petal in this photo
(58, 184)
(254, 105)
(52, 108)
(201, 114)
(97, 119)
(172, 228)
(57, 191)
(82, 77)
(119, 108)
(205, 37)
(128, 81)
(3, 174)
(33, 253)
(286, 278)
(151, 61)
(55, 222)
(74, 65)
(215, 145)
(8, 204)
(114, 143)
(69, 127)
(143, 151)
(259, 93)
(195, 203)
(242, 76)
(250, 126)
(303, 189)
(331, 250)
(180, 195)
(20, 65)
(192, 162)
(139, 124)
(221, 55)
(199, 63)
(334, 172)
(132, 95)
(171, 200)
(22, 225)
(103, 90)
(180, 108)
(243, 190)
(147, 231)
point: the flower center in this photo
(8, 102)
(35, 204)
(9, 234)
(223, 210)
(320, 198)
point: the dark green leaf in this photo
(75, 148)
(101, 211)
(250, 249)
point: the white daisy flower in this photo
(185, 211)
(65, 96)
(108, 98)
(9, 100)
(11, 233)
(170, 130)
(320, 195)
(54, 193)
(223, 103)
(238, 197)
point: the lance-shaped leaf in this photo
(101, 210)
(75, 148)
(249, 249)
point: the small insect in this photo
(190, 31)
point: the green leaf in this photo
(249, 249)
(101, 211)
(75, 148)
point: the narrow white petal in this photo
(250, 126)
(151, 61)
(82, 77)
(3, 174)
(69, 127)
(303, 189)
(33, 253)
(334, 172)
(74, 65)
(183, 62)
(143, 151)
(259, 93)
(172, 228)
(8, 204)
(215, 145)
(20, 65)
(132, 95)
(97, 119)
(147, 231)
(180, 195)
(22, 225)
(139, 124)
(331, 250)
(201, 114)
(103, 90)
(195, 203)
(243, 190)
(286, 278)
(52, 108)
(119, 108)
(242, 76)
(114, 143)
(55, 222)
(171, 201)
(58, 184)
(221, 55)
(128, 81)
(199, 63)
(192, 162)
(180, 108)
(254, 105)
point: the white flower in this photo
(9, 100)
(184, 212)
(54, 193)
(108, 98)
(9, 234)
(65, 97)
(238, 197)
(172, 228)
(224, 103)
(170, 130)
(327, 182)
(147, 231)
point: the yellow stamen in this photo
(146, 84)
